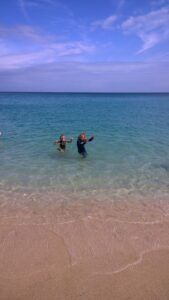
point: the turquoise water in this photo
(130, 154)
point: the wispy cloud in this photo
(51, 53)
(24, 46)
(100, 77)
(106, 23)
(26, 33)
(158, 3)
(149, 41)
(26, 5)
(151, 28)
(72, 48)
(24, 60)
(22, 5)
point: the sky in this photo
(84, 45)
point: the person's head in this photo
(82, 136)
(62, 138)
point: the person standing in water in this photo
(81, 141)
(62, 143)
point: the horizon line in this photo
(55, 92)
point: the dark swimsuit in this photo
(81, 146)
(62, 145)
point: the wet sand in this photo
(88, 250)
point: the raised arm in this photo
(91, 139)
(69, 141)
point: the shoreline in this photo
(89, 250)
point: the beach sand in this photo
(88, 250)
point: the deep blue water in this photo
(130, 153)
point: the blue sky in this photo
(90, 46)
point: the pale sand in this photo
(84, 251)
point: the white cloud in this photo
(36, 46)
(26, 32)
(157, 3)
(151, 28)
(149, 41)
(104, 23)
(22, 5)
(51, 53)
(100, 77)
(26, 5)
(72, 48)
(19, 61)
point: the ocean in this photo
(129, 156)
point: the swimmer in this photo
(62, 143)
(81, 141)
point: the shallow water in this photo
(129, 155)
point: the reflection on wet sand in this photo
(57, 249)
